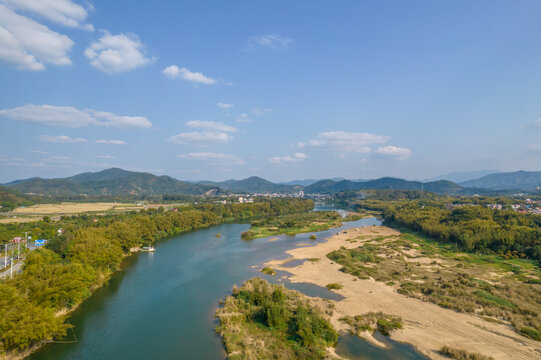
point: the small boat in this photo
(148, 249)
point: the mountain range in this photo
(116, 181)
(112, 181)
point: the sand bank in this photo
(427, 326)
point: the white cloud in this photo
(175, 72)
(30, 45)
(117, 53)
(260, 111)
(394, 152)
(63, 12)
(343, 142)
(272, 41)
(537, 123)
(111, 142)
(62, 139)
(211, 125)
(297, 157)
(41, 152)
(214, 158)
(67, 116)
(243, 118)
(224, 105)
(108, 157)
(200, 138)
(110, 119)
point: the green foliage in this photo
(266, 321)
(461, 354)
(23, 322)
(473, 227)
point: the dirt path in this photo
(426, 326)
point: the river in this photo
(162, 304)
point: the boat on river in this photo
(148, 249)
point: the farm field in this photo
(73, 208)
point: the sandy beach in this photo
(427, 326)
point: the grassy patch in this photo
(485, 295)
(531, 333)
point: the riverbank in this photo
(427, 326)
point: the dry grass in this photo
(73, 208)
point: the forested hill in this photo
(254, 185)
(518, 180)
(112, 181)
(331, 186)
(10, 199)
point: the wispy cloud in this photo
(174, 72)
(343, 142)
(272, 41)
(111, 142)
(243, 118)
(41, 152)
(214, 158)
(107, 157)
(61, 139)
(260, 111)
(67, 116)
(224, 105)
(211, 125)
(396, 152)
(117, 53)
(200, 138)
(297, 157)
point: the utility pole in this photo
(6, 257)
(11, 267)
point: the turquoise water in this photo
(161, 306)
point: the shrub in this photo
(269, 271)
(334, 286)
(461, 354)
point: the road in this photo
(17, 268)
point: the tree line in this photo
(474, 227)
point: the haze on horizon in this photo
(282, 90)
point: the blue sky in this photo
(279, 89)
